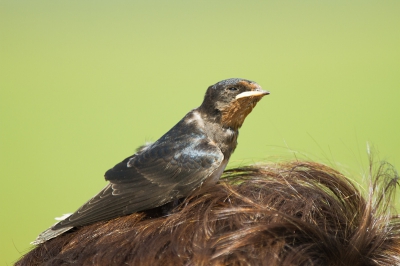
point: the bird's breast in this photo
(223, 137)
(227, 141)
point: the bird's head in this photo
(231, 100)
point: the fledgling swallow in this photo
(192, 154)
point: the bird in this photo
(191, 155)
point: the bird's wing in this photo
(156, 175)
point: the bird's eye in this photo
(233, 89)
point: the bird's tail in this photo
(52, 233)
(49, 234)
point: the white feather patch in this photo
(63, 217)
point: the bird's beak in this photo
(255, 93)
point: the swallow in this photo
(191, 155)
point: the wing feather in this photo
(166, 170)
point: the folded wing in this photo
(160, 173)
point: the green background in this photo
(83, 83)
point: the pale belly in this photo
(213, 179)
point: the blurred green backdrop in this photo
(83, 83)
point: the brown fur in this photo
(296, 213)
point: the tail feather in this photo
(52, 233)
(49, 234)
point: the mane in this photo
(292, 213)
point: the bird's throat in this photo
(236, 112)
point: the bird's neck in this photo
(224, 136)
